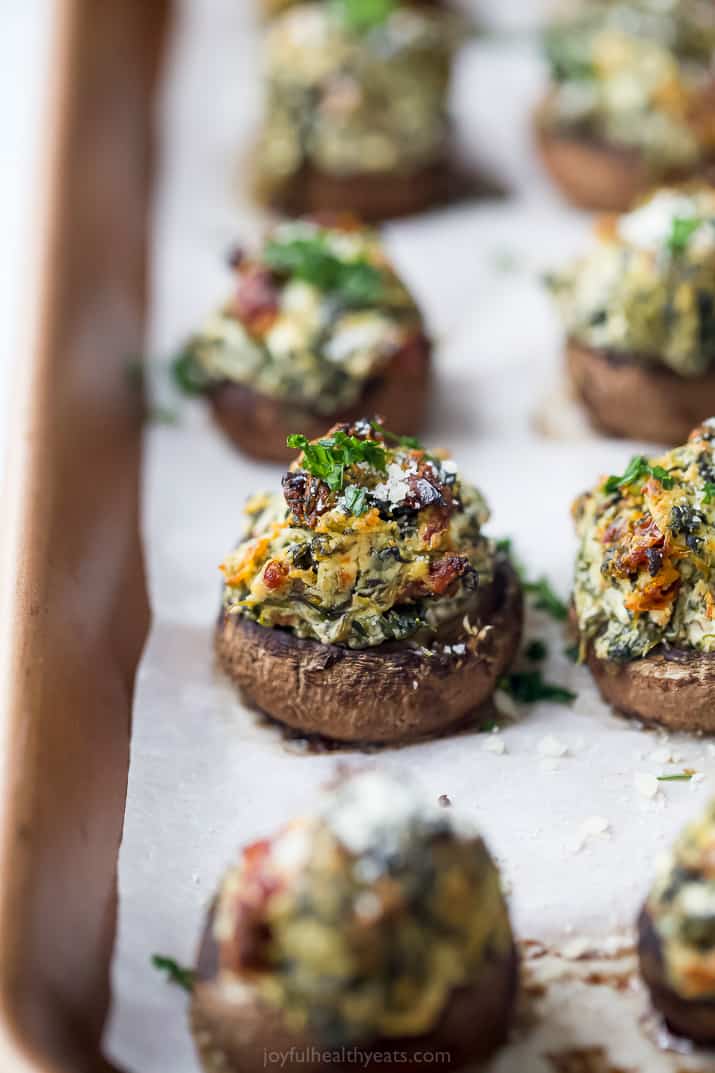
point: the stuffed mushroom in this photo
(644, 590)
(632, 98)
(677, 934)
(365, 603)
(639, 314)
(377, 924)
(356, 109)
(319, 329)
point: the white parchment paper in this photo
(205, 775)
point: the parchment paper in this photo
(206, 776)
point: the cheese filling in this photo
(645, 569)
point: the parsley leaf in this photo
(709, 492)
(546, 599)
(682, 230)
(684, 776)
(355, 500)
(504, 545)
(362, 15)
(188, 374)
(535, 651)
(175, 973)
(357, 283)
(637, 469)
(529, 687)
(328, 458)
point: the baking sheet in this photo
(558, 792)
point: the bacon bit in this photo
(658, 594)
(631, 552)
(257, 299)
(275, 574)
(444, 573)
(248, 946)
(306, 496)
(437, 523)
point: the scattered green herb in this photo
(357, 283)
(390, 437)
(535, 651)
(504, 546)
(684, 776)
(327, 459)
(546, 599)
(637, 469)
(188, 375)
(709, 492)
(175, 973)
(355, 500)
(682, 230)
(362, 15)
(529, 687)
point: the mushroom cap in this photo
(390, 693)
(671, 687)
(625, 397)
(260, 425)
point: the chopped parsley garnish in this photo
(175, 973)
(355, 500)
(362, 15)
(637, 469)
(188, 375)
(684, 776)
(504, 545)
(545, 599)
(529, 687)
(535, 651)
(390, 437)
(327, 459)
(709, 492)
(357, 283)
(682, 230)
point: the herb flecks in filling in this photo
(373, 540)
(645, 570)
(646, 288)
(359, 922)
(315, 316)
(682, 908)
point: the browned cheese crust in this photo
(233, 1035)
(672, 688)
(626, 398)
(692, 1018)
(259, 425)
(390, 693)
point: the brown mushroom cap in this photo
(390, 693)
(370, 197)
(259, 425)
(627, 398)
(235, 1033)
(671, 687)
(692, 1018)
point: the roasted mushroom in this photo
(356, 109)
(375, 925)
(677, 934)
(639, 313)
(644, 599)
(319, 329)
(365, 604)
(632, 98)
